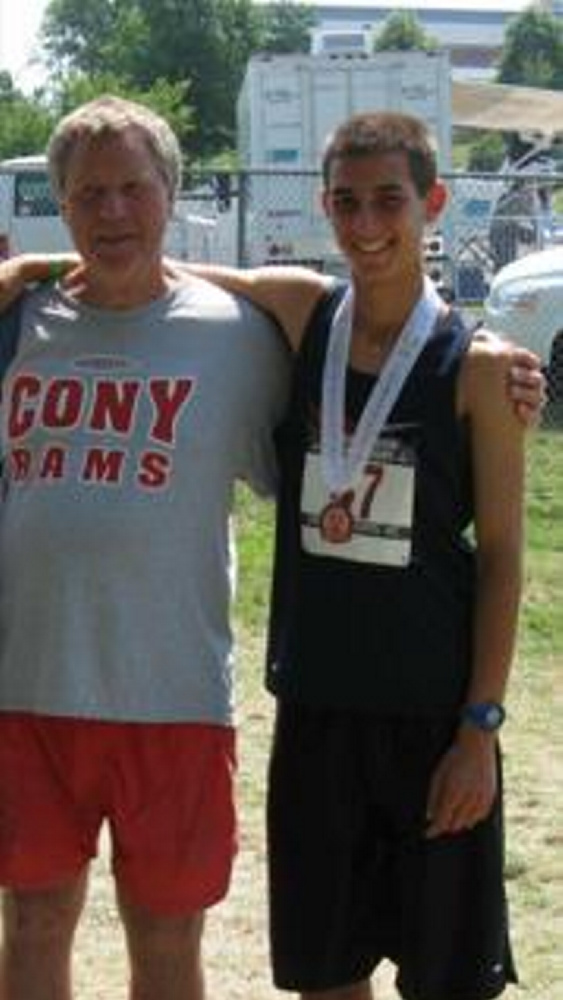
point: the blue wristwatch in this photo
(486, 715)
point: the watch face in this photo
(493, 716)
(488, 715)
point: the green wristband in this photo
(56, 269)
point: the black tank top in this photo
(391, 639)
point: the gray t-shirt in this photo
(123, 434)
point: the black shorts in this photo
(353, 879)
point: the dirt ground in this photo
(236, 946)
(236, 950)
(236, 953)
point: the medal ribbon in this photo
(342, 460)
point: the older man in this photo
(131, 406)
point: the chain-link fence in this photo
(272, 216)
(33, 195)
(275, 216)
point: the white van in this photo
(29, 215)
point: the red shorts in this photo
(165, 789)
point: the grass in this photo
(236, 939)
(534, 739)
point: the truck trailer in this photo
(287, 107)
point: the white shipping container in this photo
(287, 107)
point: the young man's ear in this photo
(436, 200)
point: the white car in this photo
(525, 303)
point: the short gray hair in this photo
(109, 116)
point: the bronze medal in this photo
(336, 523)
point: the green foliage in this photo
(545, 491)
(533, 51)
(25, 124)
(487, 153)
(402, 30)
(204, 42)
(7, 89)
(254, 532)
(167, 99)
(286, 27)
(76, 34)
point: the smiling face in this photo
(378, 216)
(117, 204)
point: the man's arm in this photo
(289, 295)
(464, 783)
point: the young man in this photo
(130, 408)
(394, 609)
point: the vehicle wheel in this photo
(555, 371)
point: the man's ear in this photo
(435, 200)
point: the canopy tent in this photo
(502, 108)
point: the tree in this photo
(532, 54)
(402, 30)
(76, 34)
(286, 27)
(205, 43)
(25, 126)
(209, 42)
(487, 153)
(167, 99)
(7, 90)
(25, 122)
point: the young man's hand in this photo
(463, 786)
(18, 272)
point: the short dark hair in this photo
(385, 132)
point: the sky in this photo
(19, 24)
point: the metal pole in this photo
(242, 216)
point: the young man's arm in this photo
(288, 294)
(464, 783)
(18, 272)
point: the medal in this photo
(343, 460)
(336, 523)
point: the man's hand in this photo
(17, 272)
(464, 784)
(526, 385)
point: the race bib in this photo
(371, 523)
